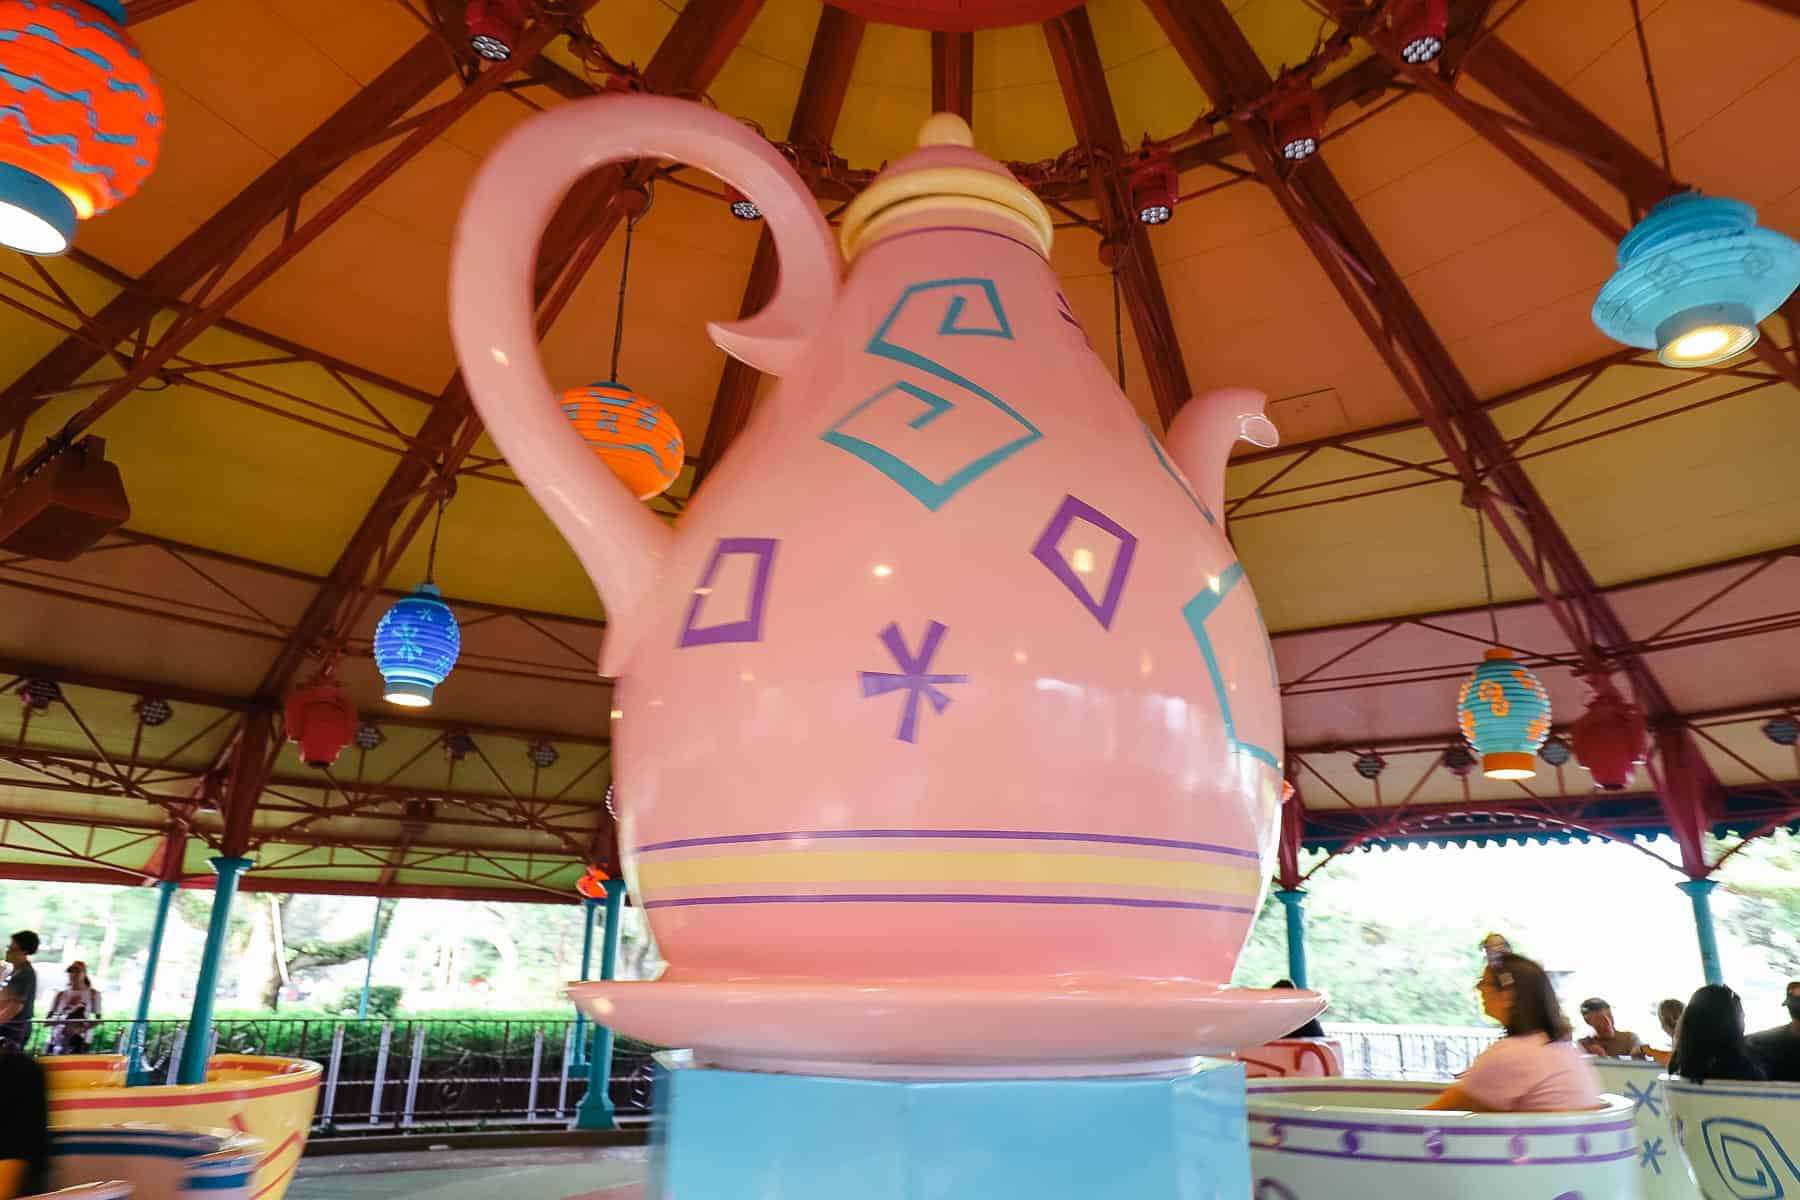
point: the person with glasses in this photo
(1535, 1067)
(18, 996)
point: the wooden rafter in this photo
(139, 11)
(1214, 48)
(953, 74)
(1083, 80)
(822, 90)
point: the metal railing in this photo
(1439, 1052)
(408, 1074)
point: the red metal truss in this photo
(139, 11)
(1126, 242)
(822, 91)
(1214, 47)
(953, 74)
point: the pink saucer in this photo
(947, 1029)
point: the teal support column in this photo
(596, 1108)
(138, 1071)
(199, 1031)
(590, 909)
(1294, 900)
(1700, 891)
(362, 1005)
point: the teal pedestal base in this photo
(795, 1137)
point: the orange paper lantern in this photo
(632, 435)
(80, 118)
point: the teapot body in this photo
(948, 669)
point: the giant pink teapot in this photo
(949, 674)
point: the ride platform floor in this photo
(523, 1173)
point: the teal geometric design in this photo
(934, 493)
(1169, 468)
(1195, 612)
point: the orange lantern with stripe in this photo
(636, 437)
(1504, 712)
(80, 118)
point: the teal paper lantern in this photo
(1694, 279)
(1504, 713)
(416, 646)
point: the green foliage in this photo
(1764, 880)
(384, 1001)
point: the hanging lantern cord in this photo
(1118, 327)
(1662, 132)
(624, 274)
(1487, 575)
(437, 524)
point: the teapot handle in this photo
(493, 317)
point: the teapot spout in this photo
(1203, 432)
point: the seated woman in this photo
(1710, 1044)
(24, 1125)
(1668, 1016)
(1535, 1067)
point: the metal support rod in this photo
(332, 1074)
(1294, 900)
(138, 1072)
(537, 1064)
(381, 1061)
(562, 1082)
(1699, 892)
(596, 1108)
(175, 1052)
(590, 909)
(199, 1040)
(412, 1073)
(362, 1005)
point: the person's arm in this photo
(1456, 1099)
(12, 1177)
(10, 1003)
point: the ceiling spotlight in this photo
(39, 694)
(1459, 760)
(1297, 113)
(494, 27)
(742, 206)
(1370, 765)
(153, 712)
(1420, 26)
(541, 754)
(369, 737)
(458, 745)
(1783, 731)
(1555, 752)
(1155, 188)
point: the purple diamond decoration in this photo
(1434, 1143)
(1518, 1147)
(749, 629)
(1351, 1141)
(1070, 573)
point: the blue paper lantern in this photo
(1694, 279)
(1504, 713)
(416, 646)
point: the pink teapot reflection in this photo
(950, 670)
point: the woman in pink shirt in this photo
(1535, 1067)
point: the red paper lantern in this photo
(1610, 739)
(84, 119)
(321, 720)
(593, 883)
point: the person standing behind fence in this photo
(74, 1012)
(18, 997)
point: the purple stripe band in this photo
(1422, 1161)
(1508, 1131)
(1016, 835)
(947, 898)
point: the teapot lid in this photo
(944, 172)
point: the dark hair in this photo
(1282, 983)
(28, 941)
(1710, 1043)
(1670, 1010)
(1534, 1007)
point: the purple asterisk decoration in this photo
(914, 676)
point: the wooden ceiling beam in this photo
(822, 90)
(686, 63)
(387, 99)
(139, 11)
(953, 74)
(1083, 79)
(1215, 49)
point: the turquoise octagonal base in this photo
(796, 1137)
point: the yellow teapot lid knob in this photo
(945, 129)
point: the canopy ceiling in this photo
(271, 459)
